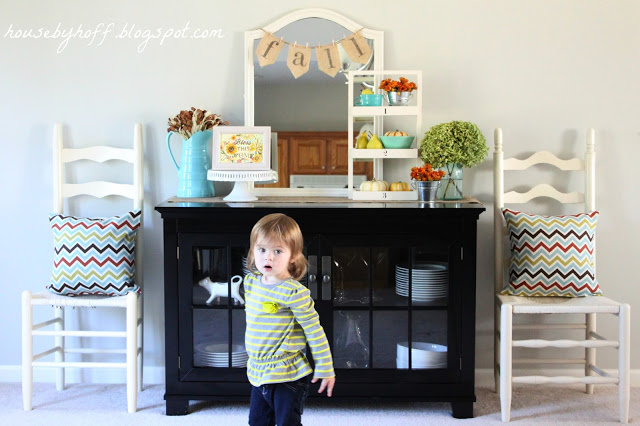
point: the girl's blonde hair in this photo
(279, 227)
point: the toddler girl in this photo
(281, 320)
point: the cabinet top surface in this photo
(174, 203)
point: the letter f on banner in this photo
(268, 49)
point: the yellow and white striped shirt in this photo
(281, 319)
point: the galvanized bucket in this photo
(426, 189)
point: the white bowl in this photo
(422, 353)
(418, 366)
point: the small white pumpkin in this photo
(374, 185)
(396, 133)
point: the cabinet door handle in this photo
(324, 167)
(326, 278)
(312, 278)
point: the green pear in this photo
(361, 142)
(374, 143)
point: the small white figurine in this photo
(220, 289)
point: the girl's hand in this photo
(326, 383)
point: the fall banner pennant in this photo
(298, 60)
(357, 48)
(299, 57)
(328, 59)
(268, 49)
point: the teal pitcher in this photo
(196, 160)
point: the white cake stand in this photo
(242, 189)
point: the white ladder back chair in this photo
(506, 306)
(131, 302)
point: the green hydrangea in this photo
(454, 142)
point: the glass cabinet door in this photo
(212, 305)
(390, 304)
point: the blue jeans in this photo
(278, 404)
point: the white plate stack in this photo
(217, 355)
(429, 281)
(423, 355)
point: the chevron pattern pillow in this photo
(94, 256)
(551, 255)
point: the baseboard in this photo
(155, 375)
(484, 376)
(13, 374)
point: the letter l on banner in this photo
(357, 48)
(328, 59)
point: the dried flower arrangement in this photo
(188, 122)
(403, 85)
(426, 173)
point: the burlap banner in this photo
(298, 59)
(328, 59)
(357, 48)
(268, 49)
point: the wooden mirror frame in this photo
(249, 84)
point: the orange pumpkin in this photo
(396, 133)
(399, 186)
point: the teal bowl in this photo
(396, 142)
(369, 100)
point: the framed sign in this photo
(241, 148)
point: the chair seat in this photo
(48, 298)
(559, 305)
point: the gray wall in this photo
(543, 71)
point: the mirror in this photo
(313, 102)
(311, 107)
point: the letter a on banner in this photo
(357, 48)
(268, 49)
(328, 59)
(298, 60)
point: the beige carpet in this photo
(85, 404)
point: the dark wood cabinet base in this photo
(177, 406)
(462, 410)
(180, 407)
(359, 261)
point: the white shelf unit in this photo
(376, 115)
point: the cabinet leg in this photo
(462, 410)
(177, 407)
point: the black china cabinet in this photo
(385, 277)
